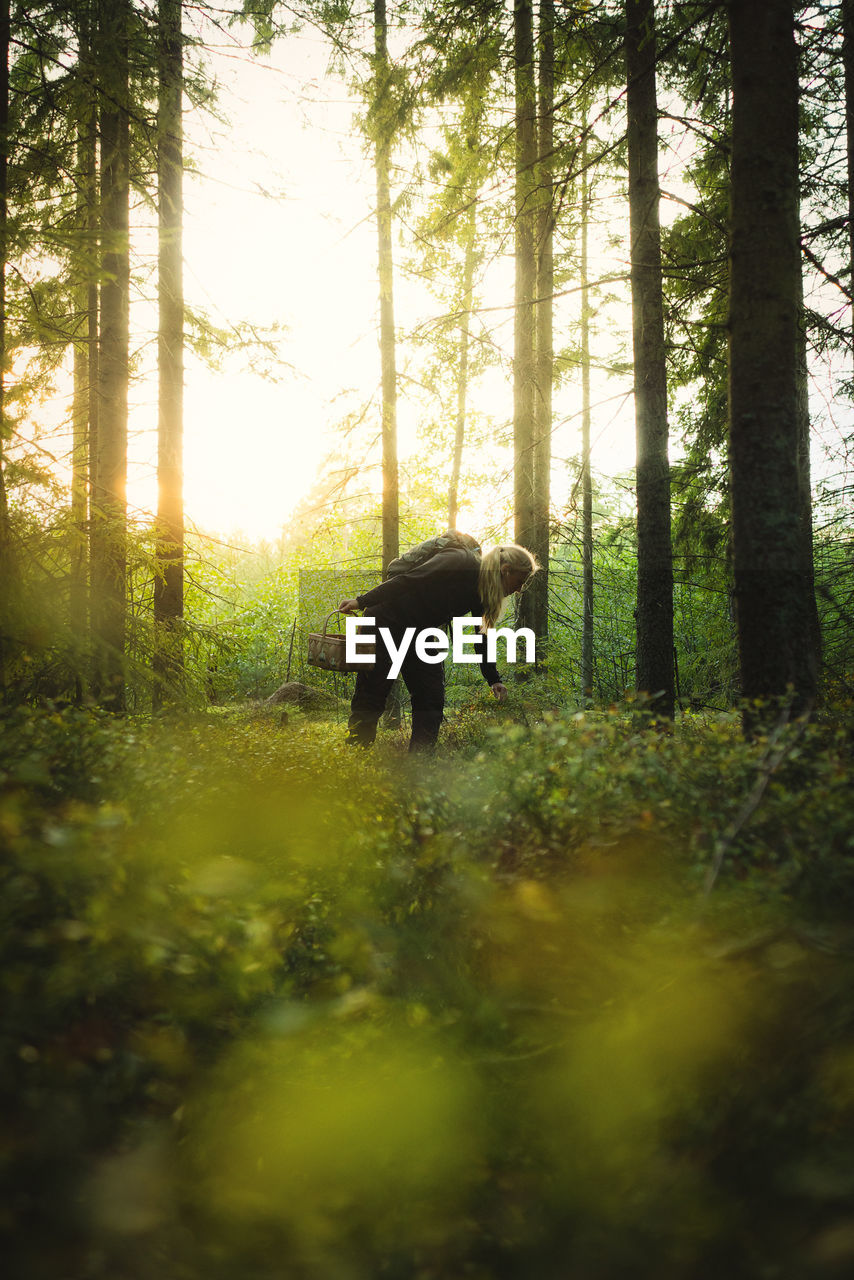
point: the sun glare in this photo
(280, 260)
(249, 456)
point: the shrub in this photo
(273, 1007)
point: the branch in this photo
(771, 761)
(828, 275)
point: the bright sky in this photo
(279, 231)
(301, 257)
(304, 259)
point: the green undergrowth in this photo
(570, 998)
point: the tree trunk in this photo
(93, 303)
(86, 338)
(109, 560)
(169, 575)
(6, 554)
(848, 67)
(654, 655)
(534, 610)
(526, 273)
(391, 499)
(93, 316)
(586, 478)
(79, 475)
(805, 475)
(772, 590)
(463, 365)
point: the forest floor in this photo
(569, 999)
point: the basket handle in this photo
(326, 622)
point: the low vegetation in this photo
(275, 1008)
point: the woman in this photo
(450, 584)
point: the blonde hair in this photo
(490, 586)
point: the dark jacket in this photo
(433, 593)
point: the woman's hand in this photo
(499, 691)
(348, 606)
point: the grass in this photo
(276, 1008)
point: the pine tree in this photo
(586, 474)
(654, 615)
(382, 143)
(6, 556)
(109, 496)
(772, 589)
(169, 577)
(533, 610)
(525, 214)
(848, 65)
(85, 294)
(470, 258)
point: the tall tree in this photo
(470, 237)
(79, 479)
(534, 611)
(586, 476)
(772, 589)
(109, 498)
(382, 141)
(848, 66)
(5, 533)
(526, 270)
(169, 577)
(85, 399)
(654, 613)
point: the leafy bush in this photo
(273, 1007)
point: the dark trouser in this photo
(426, 685)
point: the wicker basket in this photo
(326, 649)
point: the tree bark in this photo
(79, 475)
(526, 272)
(390, 498)
(6, 554)
(586, 477)
(93, 298)
(463, 364)
(5, 38)
(109, 560)
(169, 575)
(848, 68)
(805, 476)
(93, 307)
(85, 342)
(534, 610)
(772, 590)
(654, 616)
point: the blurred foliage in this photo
(273, 1008)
